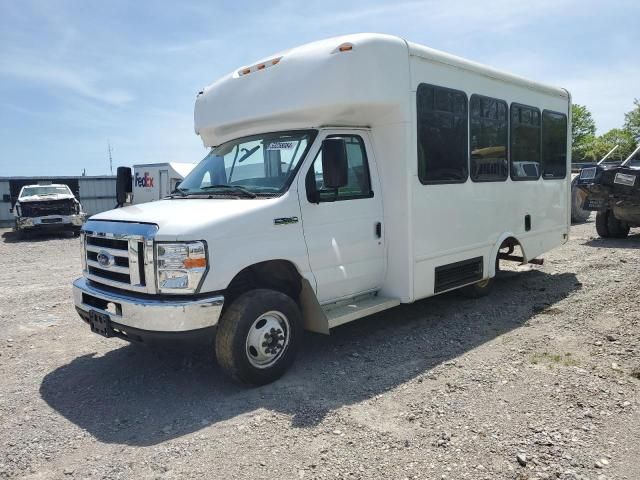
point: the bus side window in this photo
(442, 135)
(554, 145)
(525, 142)
(488, 146)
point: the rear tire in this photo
(258, 336)
(479, 289)
(602, 224)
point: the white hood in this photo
(197, 219)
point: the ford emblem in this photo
(105, 259)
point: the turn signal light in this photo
(194, 262)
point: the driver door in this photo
(344, 229)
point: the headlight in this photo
(180, 266)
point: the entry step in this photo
(349, 310)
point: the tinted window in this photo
(525, 142)
(554, 145)
(488, 145)
(442, 134)
(359, 182)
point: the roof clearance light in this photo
(345, 47)
(260, 66)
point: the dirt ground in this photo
(540, 380)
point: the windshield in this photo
(45, 190)
(260, 165)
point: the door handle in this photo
(378, 229)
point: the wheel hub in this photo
(267, 339)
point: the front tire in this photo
(617, 229)
(258, 336)
(602, 224)
(608, 226)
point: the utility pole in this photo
(110, 159)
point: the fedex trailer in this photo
(154, 181)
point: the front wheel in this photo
(258, 336)
(607, 225)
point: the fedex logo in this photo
(144, 181)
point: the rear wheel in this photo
(479, 289)
(258, 336)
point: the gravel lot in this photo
(539, 380)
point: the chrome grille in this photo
(120, 254)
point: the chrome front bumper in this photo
(150, 314)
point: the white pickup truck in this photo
(339, 183)
(46, 208)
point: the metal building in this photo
(96, 194)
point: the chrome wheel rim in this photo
(268, 339)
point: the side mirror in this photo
(335, 168)
(123, 185)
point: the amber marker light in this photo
(195, 262)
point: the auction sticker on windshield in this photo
(280, 146)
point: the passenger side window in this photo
(442, 135)
(554, 145)
(488, 148)
(525, 142)
(359, 180)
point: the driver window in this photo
(359, 181)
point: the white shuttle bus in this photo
(344, 177)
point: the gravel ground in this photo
(539, 380)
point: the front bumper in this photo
(50, 221)
(147, 314)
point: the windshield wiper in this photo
(231, 188)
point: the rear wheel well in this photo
(507, 248)
(279, 275)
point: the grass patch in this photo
(554, 359)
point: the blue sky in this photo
(77, 74)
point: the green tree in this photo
(632, 120)
(583, 131)
(599, 147)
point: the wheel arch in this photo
(505, 240)
(283, 276)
